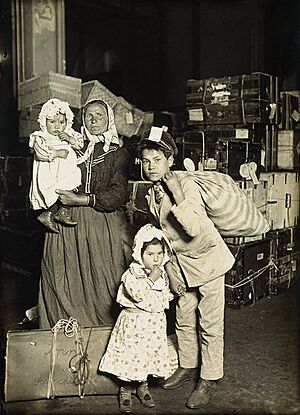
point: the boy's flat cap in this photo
(160, 138)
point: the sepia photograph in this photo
(149, 207)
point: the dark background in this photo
(145, 50)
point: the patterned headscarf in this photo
(107, 137)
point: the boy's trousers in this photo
(205, 306)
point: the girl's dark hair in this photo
(153, 241)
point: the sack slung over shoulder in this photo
(227, 205)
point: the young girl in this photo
(55, 162)
(138, 344)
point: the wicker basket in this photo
(95, 90)
(128, 118)
(38, 90)
(147, 122)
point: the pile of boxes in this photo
(239, 126)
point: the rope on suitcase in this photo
(81, 367)
(249, 279)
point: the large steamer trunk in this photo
(248, 280)
(286, 258)
(251, 98)
(217, 150)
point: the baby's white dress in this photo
(48, 176)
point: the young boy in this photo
(201, 256)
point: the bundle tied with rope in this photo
(79, 364)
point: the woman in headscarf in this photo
(82, 266)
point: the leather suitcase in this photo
(192, 150)
(31, 356)
(232, 154)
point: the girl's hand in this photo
(155, 274)
(69, 198)
(173, 184)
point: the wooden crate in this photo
(283, 198)
(288, 151)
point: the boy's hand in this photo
(173, 184)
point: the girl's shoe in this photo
(125, 401)
(144, 395)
